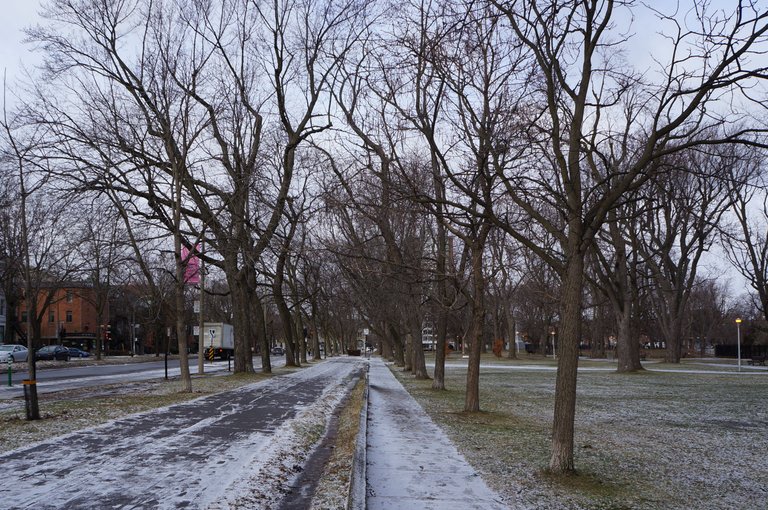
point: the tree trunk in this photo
(33, 340)
(597, 347)
(419, 364)
(567, 365)
(472, 396)
(387, 346)
(408, 358)
(672, 333)
(291, 354)
(260, 330)
(674, 348)
(241, 315)
(442, 330)
(300, 337)
(627, 346)
(315, 334)
(397, 344)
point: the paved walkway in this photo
(204, 453)
(411, 463)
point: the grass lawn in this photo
(653, 440)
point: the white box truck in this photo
(218, 340)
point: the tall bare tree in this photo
(678, 227)
(591, 102)
(746, 242)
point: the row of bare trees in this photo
(353, 165)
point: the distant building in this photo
(428, 339)
(71, 318)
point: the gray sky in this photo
(14, 16)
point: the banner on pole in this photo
(191, 265)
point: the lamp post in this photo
(738, 341)
(554, 351)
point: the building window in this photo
(2, 306)
(70, 296)
(69, 315)
(51, 316)
(24, 316)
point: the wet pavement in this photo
(411, 463)
(183, 456)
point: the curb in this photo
(357, 483)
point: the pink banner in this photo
(192, 265)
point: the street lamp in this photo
(738, 341)
(554, 352)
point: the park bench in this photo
(757, 360)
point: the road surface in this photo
(73, 376)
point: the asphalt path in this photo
(73, 376)
(190, 455)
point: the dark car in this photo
(74, 352)
(278, 351)
(53, 352)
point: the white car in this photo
(12, 352)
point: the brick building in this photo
(71, 318)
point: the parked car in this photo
(74, 352)
(53, 352)
(12, 352)
(278, 351)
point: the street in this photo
(72, 375)
(197, 454)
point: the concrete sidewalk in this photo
(411, 463)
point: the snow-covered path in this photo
(411, 463)
(191, 455)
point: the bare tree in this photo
(504, 283)
(47, 259)
(102, 252)
(678, 227)
(182, 119)
(746, 243)
(581, 84)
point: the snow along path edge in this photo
(357, 483)
(275, 465)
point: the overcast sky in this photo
(14, 16)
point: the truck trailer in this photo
(218, 340)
